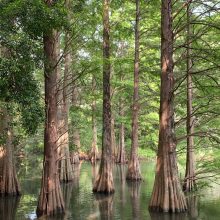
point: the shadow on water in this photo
(8, 207)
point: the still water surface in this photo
(130, 200)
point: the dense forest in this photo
(98, 98)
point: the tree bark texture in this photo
(75, 131)
(167, 195)
(65, 168)
(189, 181)
(51, 199)
(104, 181)
(9, 184)
(134, 172)
(121, 157)
(113, 141)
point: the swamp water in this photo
(130, 200)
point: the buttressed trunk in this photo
(167, 195)
(51, 199)
(9, 184)
(189, 181)
(104, 181)
(134, 172)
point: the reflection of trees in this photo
(8, 207)
(122, 178)
(192, 204)
(67, 194)
(105, 206)
(192, 211)
(134, 188)
(94, 172)
(168, 216)
(76, 173)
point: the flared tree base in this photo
(104, 181)
(9, 185)
(134, 173)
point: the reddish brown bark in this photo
(104, 181)
(189, 181)
(51, 199)
(134, 172)
(9, 184)
(167, 195)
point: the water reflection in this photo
(105, 203)
(67, 193)
(95, 168)
(192, 212)
(8, 207)
(168, 216)
(121, 173)
(76, 173)
(129, 202)
(192, 204)
(134, 189)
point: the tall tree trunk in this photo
(75, 136)
(167, 195)
(9, 184)
(113, 139)
(121, 150)
(51, 199)
(189, 181)
(65, 167)
(134, 172)
(94, 148)
(104, 181)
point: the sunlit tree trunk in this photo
(189, 181)
(104, 181)
(94, 147)
(167, 195)
(134, 172)
(9, 184)
(51, 199)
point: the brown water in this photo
(130, 200)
